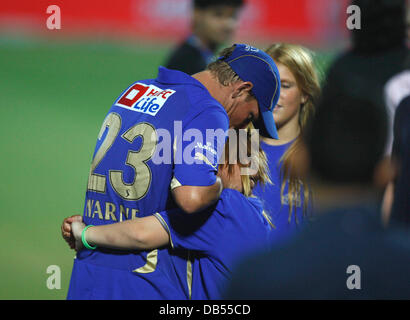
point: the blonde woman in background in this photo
(287, 200)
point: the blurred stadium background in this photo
(55, 89)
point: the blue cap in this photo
(256, 66)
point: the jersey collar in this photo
(168, 76)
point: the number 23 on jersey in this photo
(138, 188)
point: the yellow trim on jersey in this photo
(175, 183)
(200, 156)
(151, 265)
(189, 274)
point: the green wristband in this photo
(85, 243)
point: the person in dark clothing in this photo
(346, 253)
(213, 24)
(401, 152)
(378, 52)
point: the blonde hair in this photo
(262, 175)
(299, 61)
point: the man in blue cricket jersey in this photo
(219, 237)
(127, 180)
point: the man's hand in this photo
(66, 231)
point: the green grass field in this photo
(53, 98)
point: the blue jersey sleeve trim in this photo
(165, 226)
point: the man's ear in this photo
(242, 88)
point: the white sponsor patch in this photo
(144, 98)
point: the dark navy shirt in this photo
(344, 254)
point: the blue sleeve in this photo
(200, 232)
(197, 152)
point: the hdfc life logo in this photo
(143, 98)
